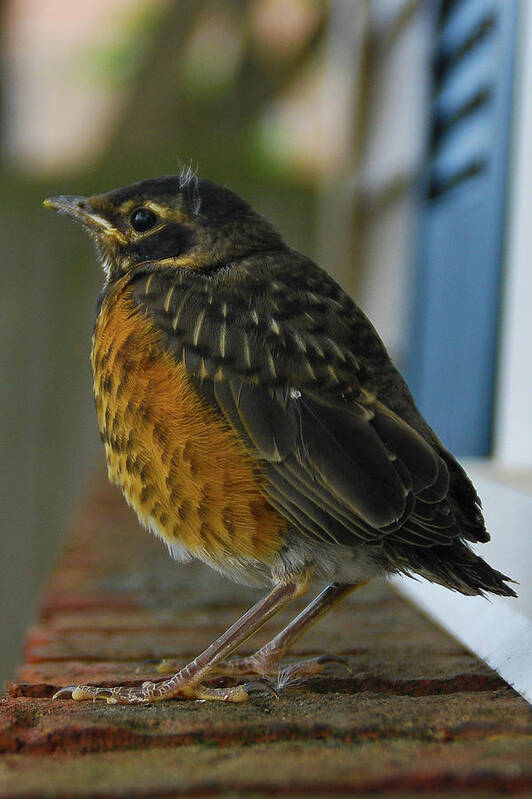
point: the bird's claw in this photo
(113, 696)
(260, 685)
(67, 690)
(153, 692)
(324, 660)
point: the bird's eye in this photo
(143, 219)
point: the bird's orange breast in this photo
(178, 464)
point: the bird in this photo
(253, 418)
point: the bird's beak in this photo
(80, 208)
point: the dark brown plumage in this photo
(253, 418)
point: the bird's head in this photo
(177, 221)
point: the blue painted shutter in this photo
(456, 308)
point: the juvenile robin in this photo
(253, 419)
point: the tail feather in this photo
(456, 567)
(467, 504)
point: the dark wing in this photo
(344, 472)
(276, 359)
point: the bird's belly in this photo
(179, 466)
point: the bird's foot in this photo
(270, 666)
(174, 688)
(266, 667)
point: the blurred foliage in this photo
(116, 60)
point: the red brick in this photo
(417, 715)
(286, 769)
(37, 726)
(401, 630)
(383, 668)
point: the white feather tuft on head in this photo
(188, 179)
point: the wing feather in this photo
(344, 456)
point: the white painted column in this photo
(513, 424)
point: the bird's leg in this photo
(266, 659)
(187, 683)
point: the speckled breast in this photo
(180, 467)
